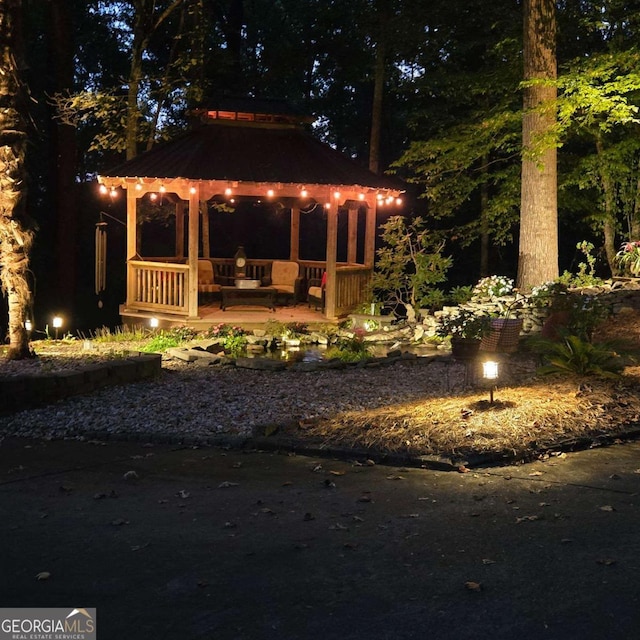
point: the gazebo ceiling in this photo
(240, 150)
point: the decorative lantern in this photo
(490, 371)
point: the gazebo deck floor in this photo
(247, 317)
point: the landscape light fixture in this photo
(57, 324)
(490, 371)
(153, 323)
(28, 325)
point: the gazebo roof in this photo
(262, 149)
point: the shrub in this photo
(493, 287)
(573, 355)
(350, 349)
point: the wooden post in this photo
(194, 223)
(294, 251)
(332, 251)
(180, 209)
(132, 224)
(370, 233)
(132, 241)
(206, 247)
(352, 237)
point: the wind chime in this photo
(101, 260)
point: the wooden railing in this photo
(352, 284)
(163, 286)
(158, 286)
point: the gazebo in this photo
(248, 148)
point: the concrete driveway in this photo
(204, 543)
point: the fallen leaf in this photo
(183, 494)
(130, 475)
(119, 522)
(336, 473)
(536, 473)
(607, 507)
(488, 561)
(473, 586)
(364, 498)
(226, 484)
(288, 483)
(370, 463)
(607, 562)
(317, 468)
(43, 575)
(527, 519)
(463, 469)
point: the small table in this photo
(259, 297)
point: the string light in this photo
(153, 196)
(270, 193)
(361, 196)
(192, 190)
(138, 186)
(336, 195)
(162, 188)
(103, 189)
(228, 191)
(113, 193)
(304, 193)
(398, 201)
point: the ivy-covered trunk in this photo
(16, 232)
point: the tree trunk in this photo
(609, 226)
(376, 112)
(538, 250)
(64, 157)
(16, 232)
(484, 219)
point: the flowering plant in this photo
(548, 293)
(224, 330)
(493, 287)
(628, 258)
(464, 323)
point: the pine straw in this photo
(522, 420)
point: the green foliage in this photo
(574, 355)
(409, 263)
(122, 333)
(460, 295)
(434, 299)
(628, 258)
(159, 343)
(493, 287)
(167, 338)
(465, 323)
(350, 349)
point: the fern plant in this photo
(573, 355)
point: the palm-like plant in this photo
(573, 355)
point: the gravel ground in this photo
(210, 401)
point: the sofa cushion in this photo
(284, 272)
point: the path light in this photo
(28, 326)
(57, 324)
(490, 371)
(153, 323)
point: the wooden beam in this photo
(194, 223)
(180, 213)
(294, 244)
(206, 246)
(370, 233)
(132, 226)
(352, 237)
(332, 251)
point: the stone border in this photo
(26, 392)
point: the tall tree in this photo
(538, 249)
(16, 231)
